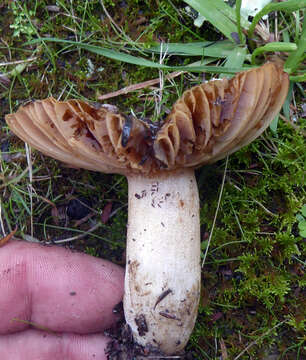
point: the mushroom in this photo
(208, 122)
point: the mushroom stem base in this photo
(162, 283)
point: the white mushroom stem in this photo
(162, 283)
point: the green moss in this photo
(256, 243)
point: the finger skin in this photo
(38, 345)
(56, 288)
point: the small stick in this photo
(216, 212)
(138, 86)
(168, 316)
(162, 296)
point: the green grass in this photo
(252, 301)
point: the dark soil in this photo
(123, 347)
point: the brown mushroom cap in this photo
(207, 123)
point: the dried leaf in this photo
(7, 238)
(216, 316)
(106, 212)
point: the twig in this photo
(255, 341)
(299, 260)
(159, 95)
(297, 128)
(30, 187)
(256, 201)
(36, 326)
(17, 62)
(266, 210)
(8, 48)
(77, 237)
(15, 180)
(45, 177)
(216, 213)
(118, 28)
(138, 86)
(159, 357)
(276, 26)
(1, 221)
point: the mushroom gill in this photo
(208, 122)
(216, 118)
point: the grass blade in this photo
(298, 78)
(219, 49)
(287, 6)
(286, 106)
(273, 47)
(235, 59)
(274, 124)
(120, 56)
(238, 19)
(297, 56)
(219, 14)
